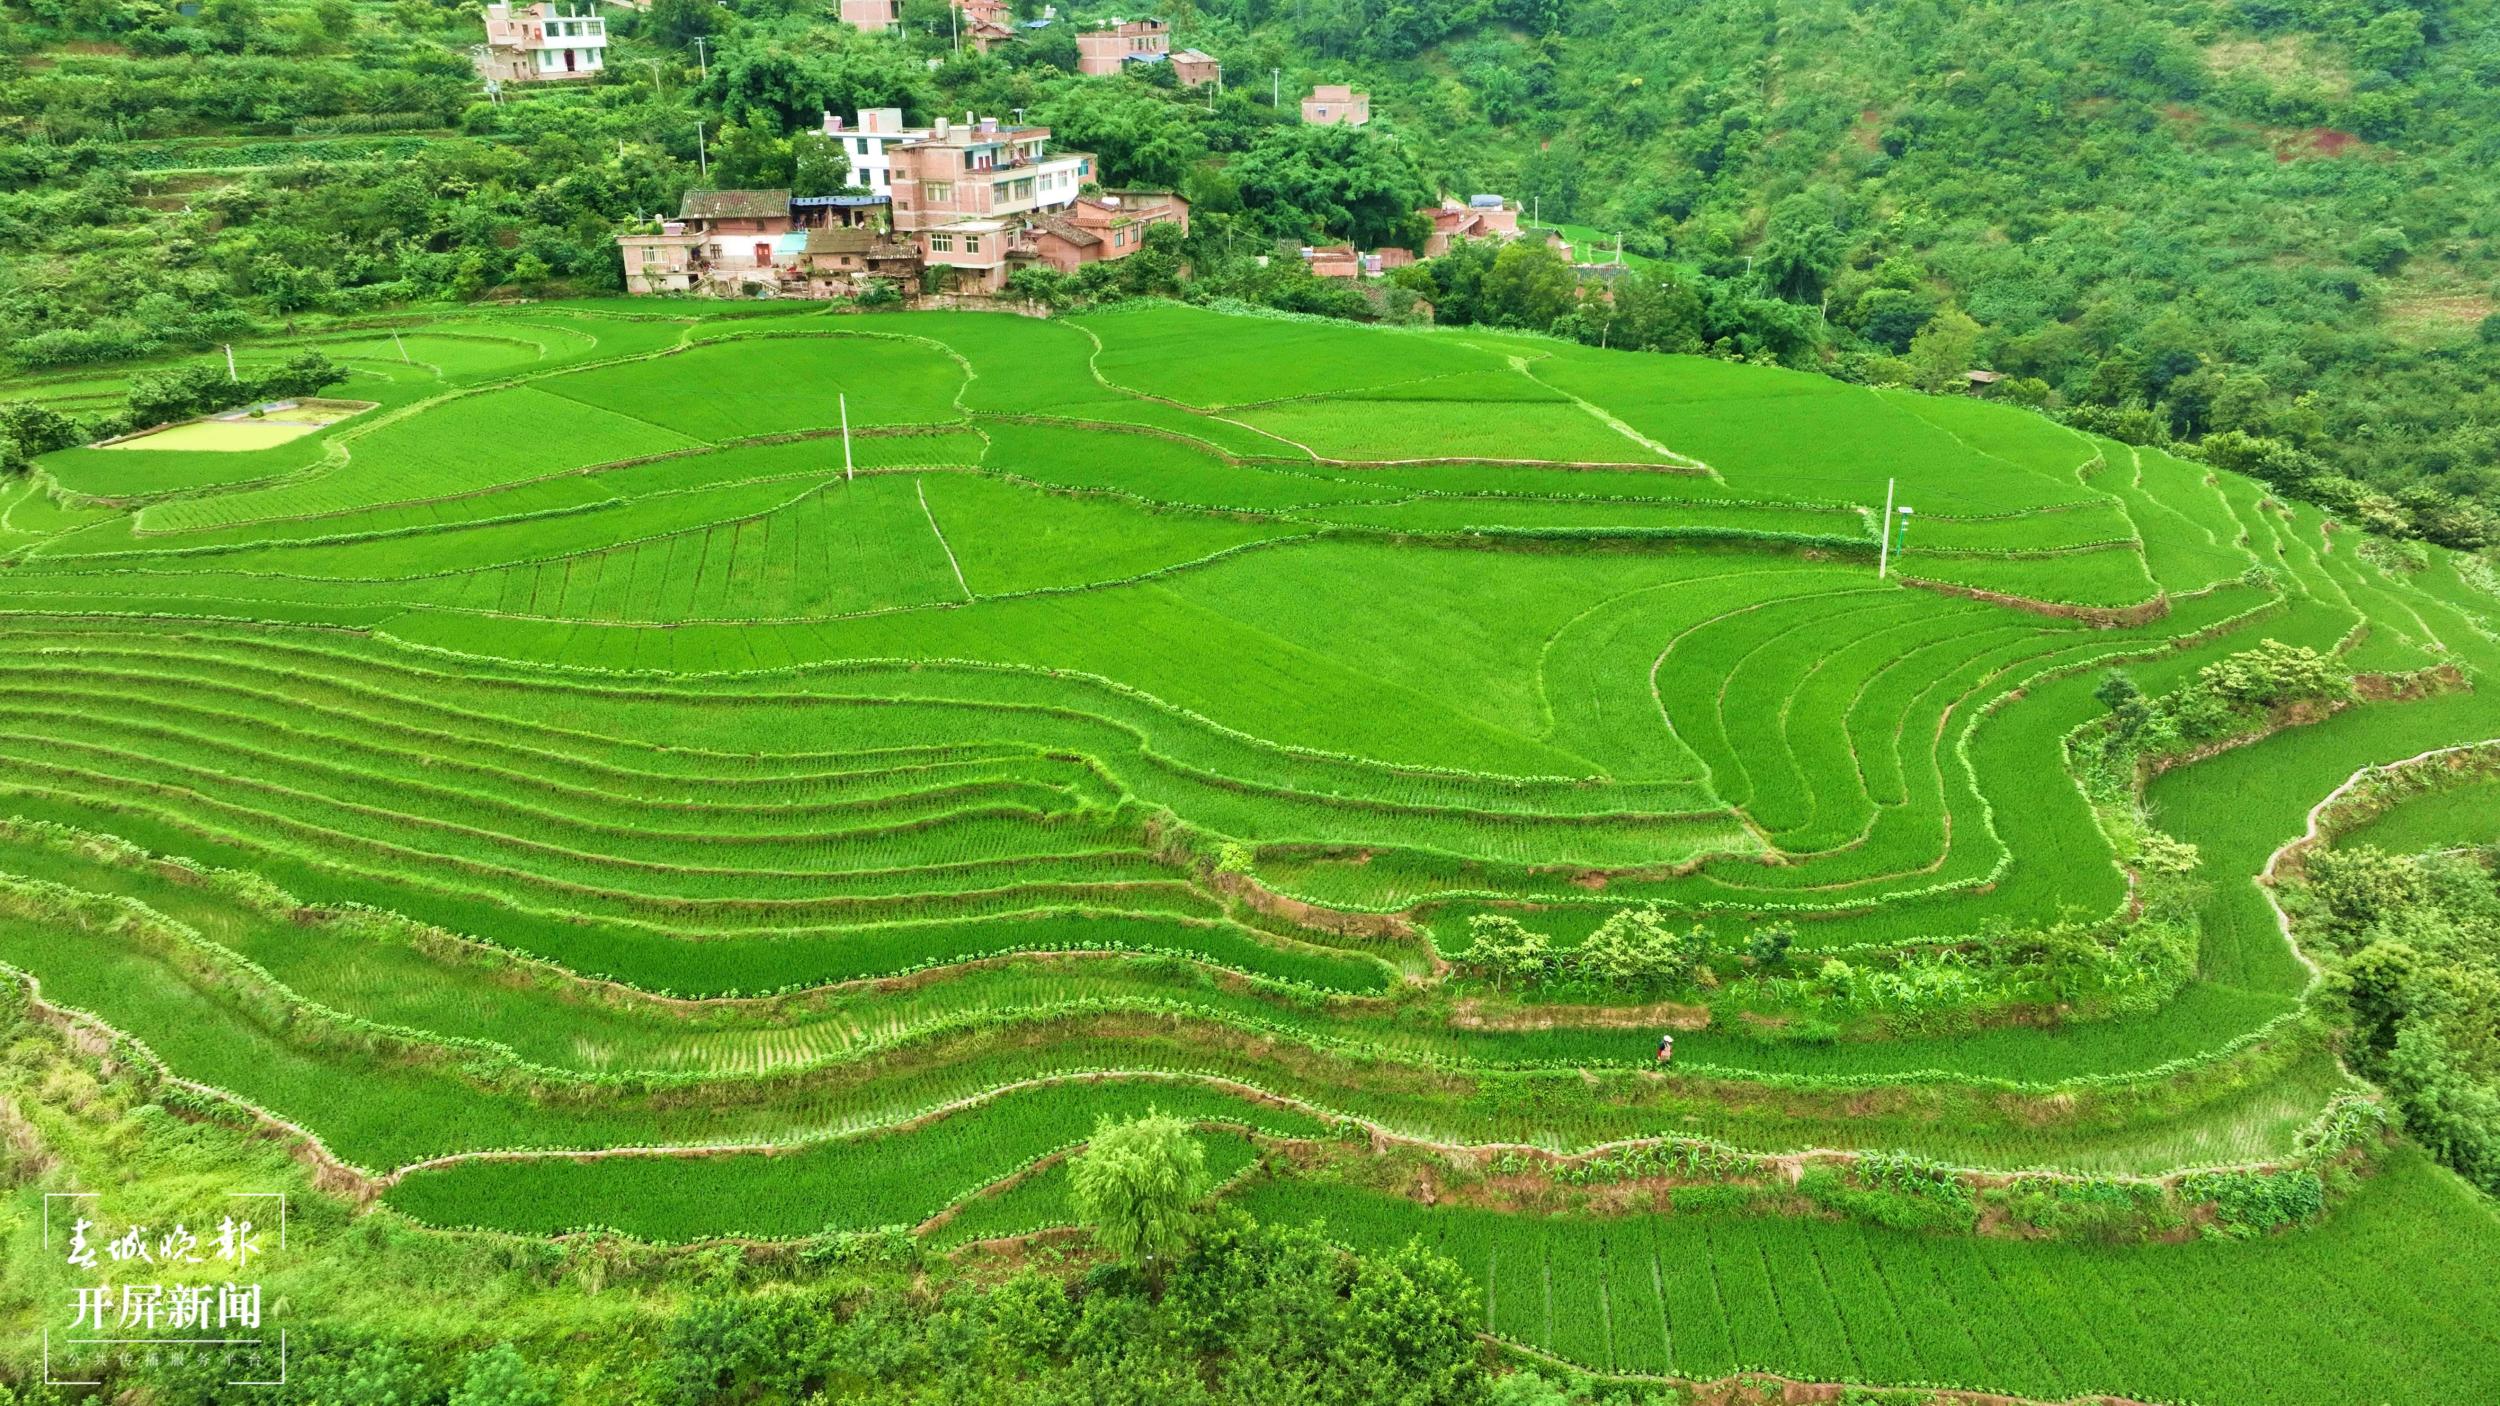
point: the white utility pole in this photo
(1275, 87)
(846, 437)
(701, 60)
(230, 375)
(702, 154)
(1883, 555)
(403, 347)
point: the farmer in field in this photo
(1666, 1048)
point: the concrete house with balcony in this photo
(538, 43)
(1104, 51)
(1335, 104)
(965, 192)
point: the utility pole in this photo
(659, 87)
(1883, 554)
(701, 60)
(403, 347)
(702, 154)
(845, 402)
(1276, 88)
(230, 373)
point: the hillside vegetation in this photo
(2256, 220)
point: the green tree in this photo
(2275, 673)
(1138, 137)
(1636, 950)
(1943, 349)
(1349, 183)
(1529, 286)
(500, 1377)
(1138, 1184)
(1891, 317)
(1508, 951)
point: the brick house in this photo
(1335, 104)
(720, 241)
(1196, 69)
(1104, 51)
(1478, 217)
(840, 261)
(873, 16)
(537, 43)
(1110, 226)
(987, 23)
(1333, 261)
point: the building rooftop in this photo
(1069, 231)
(734, 204)
(837, 202)
(844, 239)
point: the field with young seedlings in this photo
(754, 775)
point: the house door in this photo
(568, 61)
(763, 254)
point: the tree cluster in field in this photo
(28, 429)
(2227, 697)
(2075, 969)
(1635, 950)
(2413, 943)
(165, 396)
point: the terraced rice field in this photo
(593, 750)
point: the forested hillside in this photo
(2248, 217)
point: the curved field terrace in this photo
(593, 749)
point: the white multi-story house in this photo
(871, 143)
(538, 43)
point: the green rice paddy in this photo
(595, 749)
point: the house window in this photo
(941, 244)
(972, 244)
(863, 177)
(938, 192)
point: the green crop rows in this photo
(592, 749)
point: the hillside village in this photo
(954, 207)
